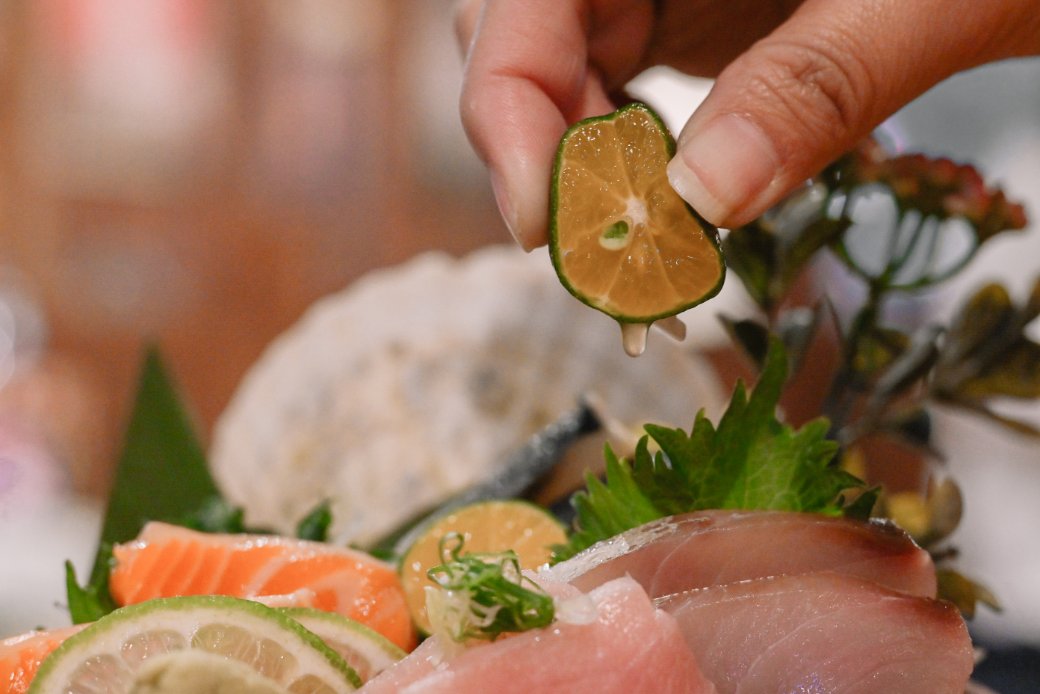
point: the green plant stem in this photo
(845, 387)
(933, 246)
(898, 260)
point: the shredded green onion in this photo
(483, 595)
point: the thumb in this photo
(824, 79)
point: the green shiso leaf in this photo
(749, 461)
(607, 507)
(87, 603)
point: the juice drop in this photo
(633, 338)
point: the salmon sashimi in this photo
(707, 548)
(823, 632)
(626, 646)
(20, 656)
(168, 561)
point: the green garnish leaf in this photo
(315, 525)
(90, 602)
(860, 506)
(162, 475)
(750, 335)
(750, 461)
(216, 515)
(770, 257)
(607, 508)
(750, 253)
(990, 352)
(483, 595)
(965, 592)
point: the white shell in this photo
(417, 381)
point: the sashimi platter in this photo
(450, 477)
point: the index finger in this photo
(527, 77)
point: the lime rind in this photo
(711, 233)
(379, 652)
(186, 615)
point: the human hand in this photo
(798, 83)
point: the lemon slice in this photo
(107, 655)
(367, 651)
(621, 239)
(488, 526)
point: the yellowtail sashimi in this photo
(706, 548)
(626, 646)
(823, 633)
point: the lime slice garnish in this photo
(487, 526)
(367, 651)
(106, 656)
(180, 672)
(621, 239)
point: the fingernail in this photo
(723, 167)
(505, 206)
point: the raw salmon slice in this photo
(168, 561)
(20, 656)
(707, 548)
(628, 647)
(823, 633)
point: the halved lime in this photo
(621, 239)
(364, 649)
(486, 526)
(105, 656)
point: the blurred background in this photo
(194, 173)
(198, 172)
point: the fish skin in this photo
(630, 647)
(823, 633)
(706, 548)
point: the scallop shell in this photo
(418, 381)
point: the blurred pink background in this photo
(198, 173)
